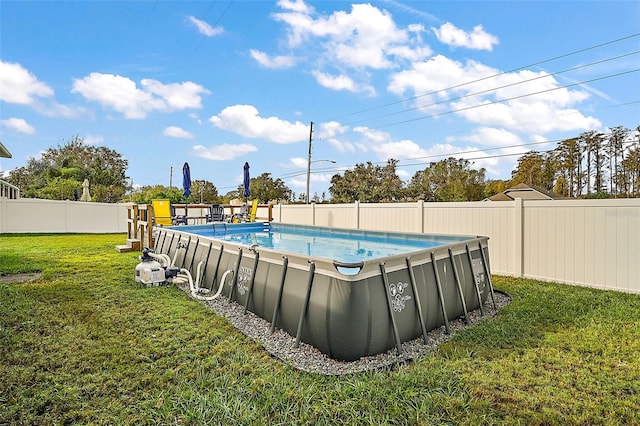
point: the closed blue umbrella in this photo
(186, 180)
(246, 180)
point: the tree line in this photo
(592, 164)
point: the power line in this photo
(494, 89)
(510, 99)
(214, 25)
(487, 77)
(449, 154)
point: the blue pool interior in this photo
(345, 246)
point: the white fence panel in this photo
(335, 215)
(593, 243)
(25, 215)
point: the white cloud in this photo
(245, 120)
(93, 140)
(177, 132)
(490, 136)
(19, 125)
(438, 74)
(123, 95)
(338, 82)
(273, 62)
(342, 146)
(399, 150)
(19, 86)
(298, 6)
(364, 38)
(331, 129)
(299, 162)
(477, 39)
(223, 152)
(177, 96)
(204, 28)
(523, 101)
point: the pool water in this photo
(340, 245)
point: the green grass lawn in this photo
(83, 344)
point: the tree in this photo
(265, 189)
(148, 193)
(203, 191)
(61, 170)
(368, 183)
(595, 144)
(448, 180)
(615, 153)
(493, 187)
(532, 170)
(568, 162)
(592, 143)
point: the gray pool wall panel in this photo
(348, 316)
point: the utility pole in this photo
(171, 178)
(309, 162)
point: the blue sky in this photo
(218, 83)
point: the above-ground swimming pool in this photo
(348, 293)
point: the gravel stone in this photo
(281, 345)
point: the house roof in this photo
(526, 192)
(4, 152)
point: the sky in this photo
(220, 83)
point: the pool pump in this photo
(152, 273)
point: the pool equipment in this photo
(156, 269)
(153, 270)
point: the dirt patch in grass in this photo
(20, 278)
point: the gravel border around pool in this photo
(281, 345)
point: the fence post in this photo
(420, 205)
(518, 235)
(357, 214)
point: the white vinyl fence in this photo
(594, 243)
(29, 215)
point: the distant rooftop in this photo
(526, 192)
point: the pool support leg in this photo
(305, 307)
(396, 335)
(170, 244)
(235, 275)
(276, 309)
(175, 252)
(186, 251)
(206, 263)
(193, 256)
(457, 278)
(475, 282)
(156, 241)
(440, 294)
(414, 286)
(164, 237)
(253, 278)
(215, 273)
(485, 265)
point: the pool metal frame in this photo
(439, 257)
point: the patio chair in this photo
(245, 214)
(216, 213)
(164, 214)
